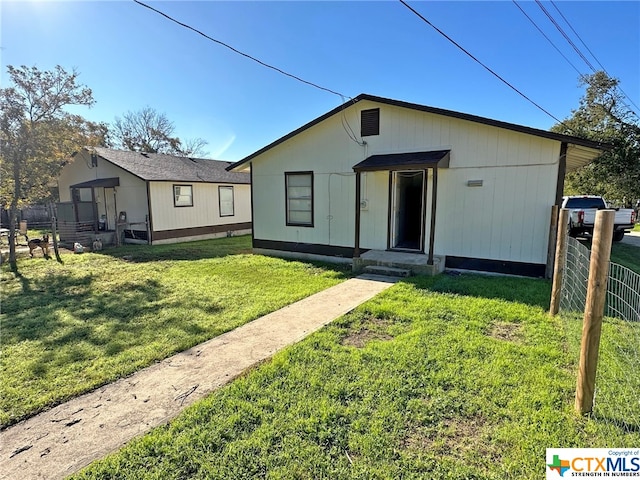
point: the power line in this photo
(348, 130)
(479, 62)
(295, 77)
(548, 39)
(576, 34)
(568, 61)
(564, 34)
(593, 55)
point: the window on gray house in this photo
(182, 196)
(225, 197)
(370, 122)
(299, 198)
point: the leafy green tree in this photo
(149, 131)
(37, 135)
(603, 116)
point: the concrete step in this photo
(388, 271)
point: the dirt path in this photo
(68, 437)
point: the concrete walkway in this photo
(61, 441)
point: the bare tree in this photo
(150, 131)
(193, 147)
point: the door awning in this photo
(404, 161)
(99, 182)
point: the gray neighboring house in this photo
(150, 198)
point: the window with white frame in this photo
(299, 198)
(225, 197)
(182, 196)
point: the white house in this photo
(381, 175)
(153, 198)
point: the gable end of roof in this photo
(424, 108)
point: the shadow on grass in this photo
(68, 310)
(198, 250)
(24, 282)
(528, 291)
(206, 249)
(622, 424)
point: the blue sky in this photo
(131, 57)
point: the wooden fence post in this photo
(594, 309)
(560, 262)
(553, 235)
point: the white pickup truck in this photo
(583, 214)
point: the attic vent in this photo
(370, 122)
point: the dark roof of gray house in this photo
(161, 167)
(424, 108)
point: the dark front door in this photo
(408, 214)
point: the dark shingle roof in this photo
(161, 167)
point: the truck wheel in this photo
(618, 235)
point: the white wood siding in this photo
(131, 195)
(205, 210)
(328, 152)
(505, 219)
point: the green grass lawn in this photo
(452, 377)
(627, 255)
(624, 254)
(68, 328)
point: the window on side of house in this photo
(299, 198)
(225, 198)
(183, 196)
(370, 122)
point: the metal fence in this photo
(574, 282)
(623, 285)
(616, 405)
(623, 293)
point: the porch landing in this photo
(415, 262)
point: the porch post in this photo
(432, 230)
(389, 210)
(562, 171)
(94, 207)
(74, 198)
(424, 209)
(356, 247)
